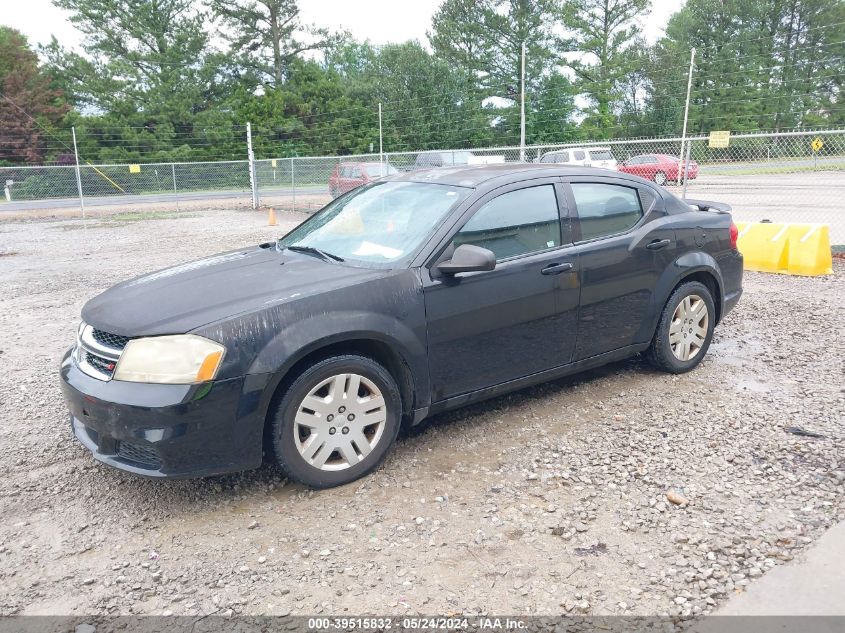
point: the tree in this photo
(426, 102)
(148, 73)
(760, 64)
(602, 32)
(29, 103)
(457, 36)
(486, 37)
(549, 112)
(268, 34)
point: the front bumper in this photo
(166, 430)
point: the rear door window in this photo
(605, 209)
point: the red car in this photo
(657, 167)
(347, 176)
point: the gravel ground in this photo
(617, 491)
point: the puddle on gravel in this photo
(737, 352)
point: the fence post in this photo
(686, 169)
(175, 192)
(686, 113)
(293, 183)
(78, 175)
(380, 143)
(251, 159)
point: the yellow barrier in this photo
(794, 249)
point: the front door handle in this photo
(658, 244)
(556, 269)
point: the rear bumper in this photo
(165, 430)
(731, 300)
(732, 267)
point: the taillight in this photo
(734, 235)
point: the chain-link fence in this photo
(783, 177)
(165, 184)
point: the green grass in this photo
(764, 171)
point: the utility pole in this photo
(686, 116)
(380, 145)
(522, 107)
(78, 176)
(251, 160)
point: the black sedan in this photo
(400, 299)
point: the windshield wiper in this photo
(315, 251)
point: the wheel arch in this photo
(697, 266)
(371, 345)
(709, 279)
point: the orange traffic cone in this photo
(271, 217)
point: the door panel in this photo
(490, 327)
(618, 276)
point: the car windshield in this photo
(557, 157)
(380, 223)
(377, 171)
(601, 154)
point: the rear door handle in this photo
(556, 269)
(658, 244)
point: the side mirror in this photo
(468, 258)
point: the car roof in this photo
(360, 163)
(580, 149)
(475, 175)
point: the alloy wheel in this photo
(339, 422)
(689, 326)
(660, 178)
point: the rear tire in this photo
(336, 422)
(660, 178)
(685, 329)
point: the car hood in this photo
(182, 298)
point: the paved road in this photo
(154, 198)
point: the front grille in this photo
(139, 454)
(97, 351)
(109, 340)
(103, 365)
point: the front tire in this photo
(660, 178)
(685, 329)
(336, 422)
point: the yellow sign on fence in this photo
(134, 169)
(817, 144)
(273, 163)
(720, 138)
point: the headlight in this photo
(181, 359)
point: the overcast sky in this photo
(380, 21)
